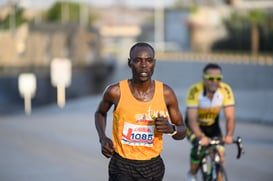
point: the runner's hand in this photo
(107, 147)
(162, 125)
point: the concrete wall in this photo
(252, 86)
(85, 81)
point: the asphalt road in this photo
(54, 144)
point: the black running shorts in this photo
(121, 169)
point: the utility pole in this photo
(83, 14)
(65, 12)
(12, 17)
(159, 25)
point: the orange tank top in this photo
(134, 134)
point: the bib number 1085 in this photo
(142, 136)
(139, 136)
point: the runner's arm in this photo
(174, 113)
(109, 98)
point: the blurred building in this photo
(177, 34)
(119, 27)
(37, 44)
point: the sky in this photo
(47, 3)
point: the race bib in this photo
(138, 135)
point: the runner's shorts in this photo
(121, 169)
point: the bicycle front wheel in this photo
(221, 173)
(206, 168)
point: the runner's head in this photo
(142, 61)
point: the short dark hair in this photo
(141, 44)
(211, 66)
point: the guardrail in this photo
(263, 60)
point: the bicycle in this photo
(210, 160)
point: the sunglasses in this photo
(213, 77)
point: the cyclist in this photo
(204, 102)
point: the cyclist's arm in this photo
(192, 114)
(229, 112)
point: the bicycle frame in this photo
(210, 164)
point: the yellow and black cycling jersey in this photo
(208, 110)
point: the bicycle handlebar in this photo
(237, 141)
(239, 144)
